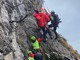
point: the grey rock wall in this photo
(14, 36)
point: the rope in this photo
(45, 5)
(20, 19)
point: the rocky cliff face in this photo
(17, 24)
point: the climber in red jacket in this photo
(30, 55)
(41, 19)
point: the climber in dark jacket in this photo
(54, 22)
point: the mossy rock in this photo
(54, 57)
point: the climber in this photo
(43, 10)
(38, 55)
(55, 20)
(47, 27)
(41, 21)
(35, 43)
(31, 55)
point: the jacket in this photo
(30, 58)
(38, 56)
(36, 44)
(41, 19)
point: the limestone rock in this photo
(15, 36)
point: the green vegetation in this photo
(63, 41)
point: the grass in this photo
(63, 41)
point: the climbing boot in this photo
(51, 37)
(45, 40)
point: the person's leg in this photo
(55, 28)
(41, 32)
(50, 26)
(44, 33)
(49, 32)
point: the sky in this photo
(69, 12)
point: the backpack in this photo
(55, 19)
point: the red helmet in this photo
(31, 55)
(41, 9)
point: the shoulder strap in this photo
(52, 18)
